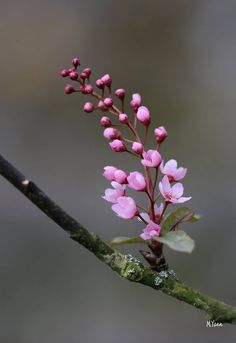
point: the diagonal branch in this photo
(125, 265)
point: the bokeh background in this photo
(180, 55)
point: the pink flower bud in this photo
(135, 102)
(102, 106)
(120, 93)
(117, 145)
(137, 147)
(88, 89)
(105, 121)
(75, 62)
(83, 75)
(69, 89)
(150, 231)
(136, 181)
(143, 115)
(160, 134)
(109, 173)
(64, 73)
(120, 176)
(106, 80)
(88, 107)
(71, 69)
(123, 118)
(125, 207)
(87, 71)
(100, 84)
(108, 102)
(151, 158)
(111, 133)
(73, 75)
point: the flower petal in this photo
(178, 190)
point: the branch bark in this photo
(125, 265)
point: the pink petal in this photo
(183, 199)
(177, 190)
(170, 167)
(180, 173)
(166, 185)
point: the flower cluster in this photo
(122, 130)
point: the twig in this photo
(125, 265)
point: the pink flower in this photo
(157, 211)
(151, 158)
(143, 115)
(170, 169)
(120, 176)
(111, 133)
(117, 145)
(137, 147)
(125, 207)
(150, 231)
(160, 134)
(172, 194)
(111, 195)
(136, 181)
(109, 173)
(108, 102)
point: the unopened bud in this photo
(88, 107)
(137, 147)
(111, 133)
(108, 102)
(69, 89)
(117, 145)
(160, 134)
(105, 121)
(75, 62)
(123, 118)
(143, 115)
(120, 93)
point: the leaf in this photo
(126, 240)
(180, 215)
(177, 240)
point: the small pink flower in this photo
(143, 115)
(111, 195)
(69, 89)
(151, 158)
(109, 172)
(125, 207)
(117, 145)
(111, 133)
(160, 134)
(75, 61)
(170, 169)
(88, 89)
(157, 211)
(120, 176)
(136, 181)
(137, 147)
(150, 231)
(172, 194)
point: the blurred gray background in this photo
(180, 55)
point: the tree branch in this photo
(125, 265)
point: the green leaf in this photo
(177, 240)
(126, 240)
(180, 215)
